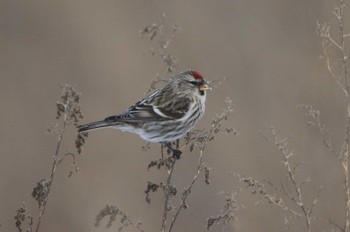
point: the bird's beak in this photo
(204, 87)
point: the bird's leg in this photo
(177, 143)
(176, 153)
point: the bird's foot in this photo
(176, 154)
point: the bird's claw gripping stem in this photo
(176, 153)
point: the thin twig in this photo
(69, 110)
(281, 144)
(344, 156)
(55, 163)
(187, 191)
(167, 195)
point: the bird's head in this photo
(192, 81)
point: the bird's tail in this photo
(93, 126)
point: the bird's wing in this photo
(154, 108)
(174, 109)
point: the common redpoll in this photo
(165, 115)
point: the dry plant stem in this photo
(345, 151)
(339, 44)
(188, 190)
(167, 195)
(112, 212)
(297, 187)
(68, 110)
(345, 156)
(345, 164)
(56, 162)
(156, 30)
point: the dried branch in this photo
(168, 191)
(156, 30)
(337, 42)
(260, 189)
(315, 121)
(298, 200)
(187, 191)
(227, 214)
(68, 110)
(112, 212)
(22, 217)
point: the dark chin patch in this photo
(201, 92)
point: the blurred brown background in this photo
(269, 53)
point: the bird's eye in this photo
(194, 82)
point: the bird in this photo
(165, 115)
